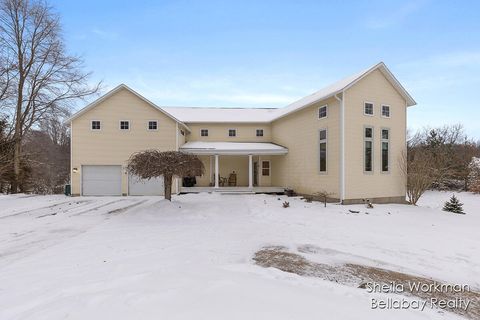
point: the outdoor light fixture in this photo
(74, 170)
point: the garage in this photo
(102, 180)
(143, 187)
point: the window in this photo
(204, 132)
(368, 149)
(386, 111)
(323, 150)
(368, 110)
(259, 132)
(96, 125)
(152, 125)
(265, 168)
(385, 150)
(322, 112)
(232, 132)
(124, 125)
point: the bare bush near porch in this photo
(150, 164)
(419, 172)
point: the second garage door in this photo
(140, 187)
(102, 180)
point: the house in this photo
(346, 139)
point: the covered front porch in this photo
(234, 167)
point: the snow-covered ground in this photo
(146, 258)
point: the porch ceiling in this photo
(233, 148)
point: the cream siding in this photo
(377, 89)
(219, 132)
(112, 146)
(300, 168)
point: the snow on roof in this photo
(189, 114)
(237, 115)
(259, 148)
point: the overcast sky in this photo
(271, 53)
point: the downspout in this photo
(177, 184)
(342, 146)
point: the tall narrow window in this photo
(323, 150)
(368, 109)
(368, 152)
(259, 132)
(385, 150)
(265, 168)
(204, 132)
(322, 112)
(96, 125)
(232, 132)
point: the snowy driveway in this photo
(146, 258)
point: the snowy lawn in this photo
(146, 258)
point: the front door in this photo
(255, 174)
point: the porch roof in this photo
(233, 148)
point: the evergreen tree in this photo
(453, 205)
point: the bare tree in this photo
(154, 163)
(45, 77)
(419, 173)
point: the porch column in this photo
(216, 171)
(250, 171)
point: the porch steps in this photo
(235, 192)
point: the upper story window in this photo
(322, 112)
(368, 109)
(259, 132)
(386, 111)
(96, 125)
(204, 132)
(153, 125)
(124, 125)
(232, 132)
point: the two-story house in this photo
(346, 139)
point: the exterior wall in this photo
(377, 89)
(112, 146)
(219, 132)
(300, 168)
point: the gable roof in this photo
(111, 93)
(222, 115)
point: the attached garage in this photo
(102, 180)
(142, 187)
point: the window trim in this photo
(269, 168)
(208, 133)
(91, 125)
(256, 133)
(236, 135)
(120, 125)
(389, 111)
(326, 113)
(382, 140)
(373, 109)
(148, 125)
(326, 151)
(365, 139)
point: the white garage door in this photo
(102, 180)
(141, 187)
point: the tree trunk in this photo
(167, 182)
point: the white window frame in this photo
(373, 108)
(120, 125)
(236, 135)
(208, 133)
(326, 112)
(382, 140)
(269, 168)
(365, 139)
(389, 111)
(256, 133)
(91, 125)
(148, 125)
(326, 150)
